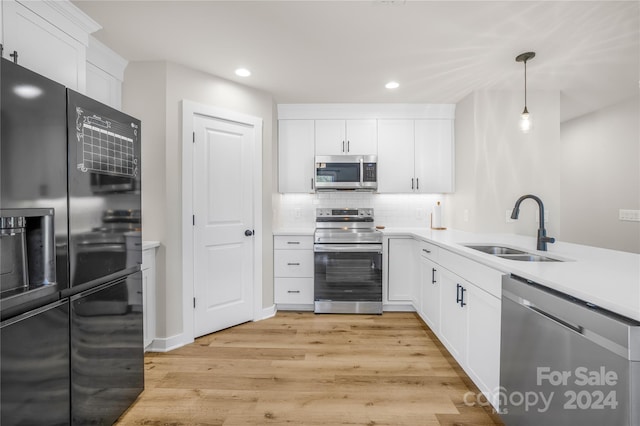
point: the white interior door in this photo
(223, 223)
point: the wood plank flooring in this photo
(299, 368)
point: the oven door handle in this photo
(347, 248)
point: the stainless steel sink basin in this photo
(496, 250)
(528, 257)
(511, 253)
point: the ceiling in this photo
(345, 51)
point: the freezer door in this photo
(107, 353)
(34, 367)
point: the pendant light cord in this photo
(525, 85)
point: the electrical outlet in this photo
(507, 216)
(629, 215)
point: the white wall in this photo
(153, 92)
(496, 163)
(584, 170)
(600, 174)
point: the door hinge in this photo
(194, 137)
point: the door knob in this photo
(248, 232)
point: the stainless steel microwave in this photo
(346, 172)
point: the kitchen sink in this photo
(511, 253)
(496, 250)
(528, 257)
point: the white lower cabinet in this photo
(460, 302)
(402, 270)
(483, 341)
(149, 294)
(454, 314)
(293, 271)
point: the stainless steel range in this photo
(348, 262)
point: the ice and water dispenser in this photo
(28, 252)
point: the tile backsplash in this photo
(392, 210)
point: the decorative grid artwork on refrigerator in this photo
(106, 146)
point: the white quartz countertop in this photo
(606, 278)
(293, 231)
(150, 244)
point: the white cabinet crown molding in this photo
(106, 59)
(64, 15)
(366, 111)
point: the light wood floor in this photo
(305, 369)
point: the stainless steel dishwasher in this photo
(565, 362)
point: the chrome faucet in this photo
(542, 233)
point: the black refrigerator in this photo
(70, 234)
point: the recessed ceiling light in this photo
(243, 72)
(392, 85)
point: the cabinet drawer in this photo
(293, 290)
(293, 242)
(428, 250)
(293, 263)
(484, 277)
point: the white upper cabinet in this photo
(295, 156)
(434, 156)
(346, 137)
(415, 156)
(396, 156)
(105, 73)
(413, 142)
(49, 37)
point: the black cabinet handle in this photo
(293, 291)
(433, 275)
(417, 183)
(348, 144)
(426, 251)
(293, 264)
(293, 242)
(460, 295)
(311, 183)
(342, 146)
(412, 184)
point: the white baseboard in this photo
(267, 313)
(166, 344)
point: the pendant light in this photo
(525, 119)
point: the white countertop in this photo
(294, 231)
(150, 244)
(607, 278)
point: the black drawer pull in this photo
(426, 251)
(293, 264)
(293, 291)
(293, 242)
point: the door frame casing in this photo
(189, 110)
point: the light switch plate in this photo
(629, 215)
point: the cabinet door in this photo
(402, 274)
(453, 316)
(396, 155)
(434, 155)
(295, 156)
(430, 282)
(330, 137)
(103, 87)
(483, 340)
(361, 137)
(43, 47)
